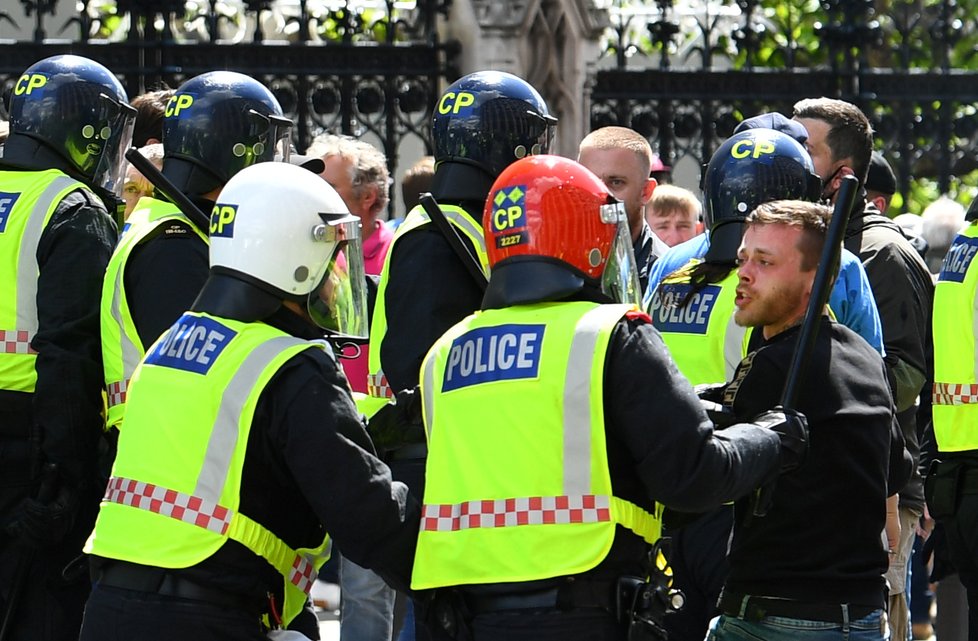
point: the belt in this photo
(153, 580)
(568, 596)
(755, 608)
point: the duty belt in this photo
(568, 596)
(755, 608)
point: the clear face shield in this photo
(339, 303)
(274, 135)
(620, 278)
(115, 137)
(548, 132)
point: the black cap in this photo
(880, 177)
(776, 122)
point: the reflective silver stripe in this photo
(577, 402)
(182, 507)
(428, 392)
(224, 435)
(473, 230)
(27, 261)
(131, 354)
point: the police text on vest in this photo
(487, 354)
(192, 344)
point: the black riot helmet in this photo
(215, 125)
(77, 108)
(751, 168)
(490, 119)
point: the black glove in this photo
(792, 427)
(711, 400)
(39, 522)
(398, 422)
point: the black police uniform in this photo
(856, 459)
(163, 276)
(61, 422)
(644, 434)
(309, 465)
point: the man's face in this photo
(627, 177)
(339, 174)
(818, 148)
(135, 187)
(773, 291)
(673, 227)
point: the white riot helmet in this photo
(286, 231)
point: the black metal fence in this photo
(345, 67)
(685, 77)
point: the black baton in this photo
(161, 182)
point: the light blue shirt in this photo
(851, 299)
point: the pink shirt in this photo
(374, 253)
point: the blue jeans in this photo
(870, 628)
(367, 612)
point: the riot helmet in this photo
(489, 119)
(77, 108)
(553, 229)
(285, 232)
(752, 167)
(215, 125)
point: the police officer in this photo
(547, 455)
(242, 446)
(951, 485)
(690, 295)
(215, 125)
(70, 122)
(482, 123)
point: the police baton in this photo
(821, 288)
(461, 250)
(161, 182)
(45, 494)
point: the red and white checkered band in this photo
(378, 387)
(955, 394)
(303, 573)
(534, 510)
(177, 505)
(16, 341)
(117, 393)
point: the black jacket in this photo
(820, 541)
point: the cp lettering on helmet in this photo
(489, 354)
(752, 148)
(29, 82)
(509, 216)
(7, 202)
(453, 103)
(177, 103)
(222, 220)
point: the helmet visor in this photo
(274, 136)
(619, 281)
(119, 119)
(339, 303)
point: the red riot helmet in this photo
(553, 229)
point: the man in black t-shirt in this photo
(815, 563)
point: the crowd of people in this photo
(554, 398)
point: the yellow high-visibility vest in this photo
(122, 348)
(517, 480)
(955, 395)
(174, 494)
(378, 391)
(27, 201)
